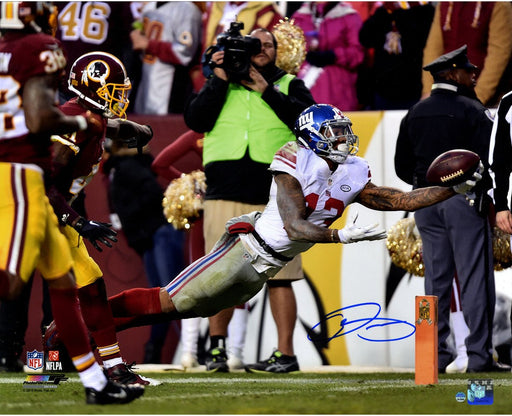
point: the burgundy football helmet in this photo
(34, 16)
(100, 79)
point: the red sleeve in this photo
(163, 51)
(72, 108)
(189, 141)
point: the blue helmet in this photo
(324, 129)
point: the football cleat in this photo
(459, 365)
(189, 360)
(113, 393)
(235, 363)
(123, 374)
(217, 360)
(277, 363)
(494, 367)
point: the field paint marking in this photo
(274, 379)
(56, 404)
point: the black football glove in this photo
(321, 58)
(96, 232)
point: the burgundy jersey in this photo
(23, 56)
(88, 150)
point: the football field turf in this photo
(242, 393)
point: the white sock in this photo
(112, 362)
(190, 334)
(237, 329)
(93, 377)
(460, 333)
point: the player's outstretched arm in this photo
(42, 113)
(133, 135)
(292, 208)
(383, 198)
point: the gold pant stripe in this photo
(19, 190)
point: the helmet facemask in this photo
(325, 130)
(337, 140)
(116, 95)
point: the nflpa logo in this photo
(53, 355)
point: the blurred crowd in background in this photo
(372, 51)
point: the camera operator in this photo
(245, 122)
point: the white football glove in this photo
(467, 186)
(352, 233)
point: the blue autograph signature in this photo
(365, 324)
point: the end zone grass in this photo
(242, 393)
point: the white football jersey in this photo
(176, 23)
(327, 193)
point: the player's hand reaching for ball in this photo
(466, 186)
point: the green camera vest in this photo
(247, 120)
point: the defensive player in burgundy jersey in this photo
(91, 26)
(101, 84)
(31, 63)
(314, 180)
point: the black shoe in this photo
(123, 374)
(277, 363)
(113, 393)
(217, 360)
(495, 367)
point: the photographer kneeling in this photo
(247, 113)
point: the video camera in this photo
(237, 49)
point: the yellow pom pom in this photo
(405, 247)
(291, 46)
(501, 249)
(183, 199)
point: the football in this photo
(452, 167)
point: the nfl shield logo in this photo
(34, 360)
